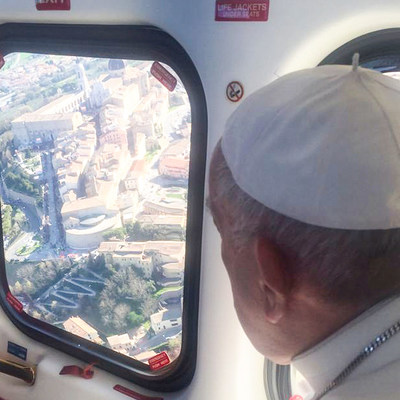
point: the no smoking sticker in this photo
(234, 91)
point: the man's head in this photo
(296, 282)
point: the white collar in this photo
(323, 362)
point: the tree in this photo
(119, 321)
(135, 319)
(118, 233)
(149, 306)
(17, 288)
(174, 348)
(126, 293)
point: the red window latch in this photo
(85, 373)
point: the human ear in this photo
(273, 279)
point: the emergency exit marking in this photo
(242, 10)
(163, 76)
(48, 5)
(234, 91)
(159, 361)
(14, 302)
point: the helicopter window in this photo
(95, 166)
(97, 170)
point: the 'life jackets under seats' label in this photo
(245, 10)
(47, 5)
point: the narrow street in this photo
(55, 234)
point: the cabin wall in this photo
(297, 35)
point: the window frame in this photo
(138, 43)
(370, 46)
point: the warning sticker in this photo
(245, 10)
(15, 303)
(164, 76)
(159, 361)
(17, 350)
(47, 5)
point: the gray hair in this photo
(358, 267)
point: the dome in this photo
(116, 65)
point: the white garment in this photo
(376, 378)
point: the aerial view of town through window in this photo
(94, 161)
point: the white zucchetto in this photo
(322, 146)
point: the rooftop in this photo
(164, 247)
(143, 357)
(176, 148)
(33, 117)
(82, 204)
(171, 162)
(78, 326)
(174, 312)
(57, 102)
(119, 340)
(162, 219)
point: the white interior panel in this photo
(297, 35)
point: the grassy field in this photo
(26, 250)
(165, 290)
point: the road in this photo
(55, 235)
(22, 241)
(144, 344)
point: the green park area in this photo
(13, 222)
(166, 290)
(28, 249)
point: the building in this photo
(98, 212)
(98, 95)
(143, 255)
(174, 167)
(174, 161)
(36, 128)
(165, 207)
(64, 104)
(128, 199)
(145, 356)
(166, 318)
(139, 144)
(169, 223)
(116, 136)
(173, 270)
(121, 343)
(138, 76)
(90, 233)
(79, 327)
(135, 178)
